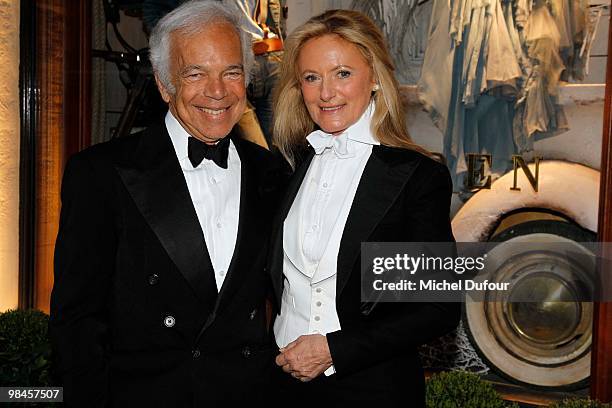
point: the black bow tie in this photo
(198, 151)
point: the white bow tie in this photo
(320, 141)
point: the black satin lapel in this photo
(160, 192)
(275, 263)
(293, 188)
(381, 183)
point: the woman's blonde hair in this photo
(292, 122)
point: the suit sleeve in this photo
(83, 268)
(396, 327)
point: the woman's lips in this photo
(331, 109)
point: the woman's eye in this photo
(344, 74)
(310, 78)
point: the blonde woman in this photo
(358, 178)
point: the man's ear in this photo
(165, 94)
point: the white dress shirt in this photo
(215, 193)
(313, 230)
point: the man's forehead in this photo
(212, 30)
(214, 46)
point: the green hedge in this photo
(459, 389)
(580, 403)
(24, 348)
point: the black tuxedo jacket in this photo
(403, 196)
(136, 319)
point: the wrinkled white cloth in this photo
(320, 141)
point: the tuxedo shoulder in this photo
(397, 155)
(431, 163)
(254, 150)
(111, 150)
(263, 158)
(95, 164)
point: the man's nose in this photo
(215, 88)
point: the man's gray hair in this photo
(191, 18)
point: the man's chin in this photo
(209, 136)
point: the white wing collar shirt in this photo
(215, 193)
(313, 229)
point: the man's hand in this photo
(306, 357)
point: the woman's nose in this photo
(327, 90)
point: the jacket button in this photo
(169, 321)
(246, 352)
(253, 314)
(196, 354)
(153, 279)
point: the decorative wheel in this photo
(545, 343)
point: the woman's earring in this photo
(375, 88)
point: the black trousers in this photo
(356, 390)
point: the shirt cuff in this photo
(331, 370)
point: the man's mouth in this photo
(211, 111)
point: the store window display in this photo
(502, 61)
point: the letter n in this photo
(533, 180)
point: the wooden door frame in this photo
(55, 104)
(601, 355)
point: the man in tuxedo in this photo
(159, 294)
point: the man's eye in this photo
(344, 74)
(234, 74)
(194, 75)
